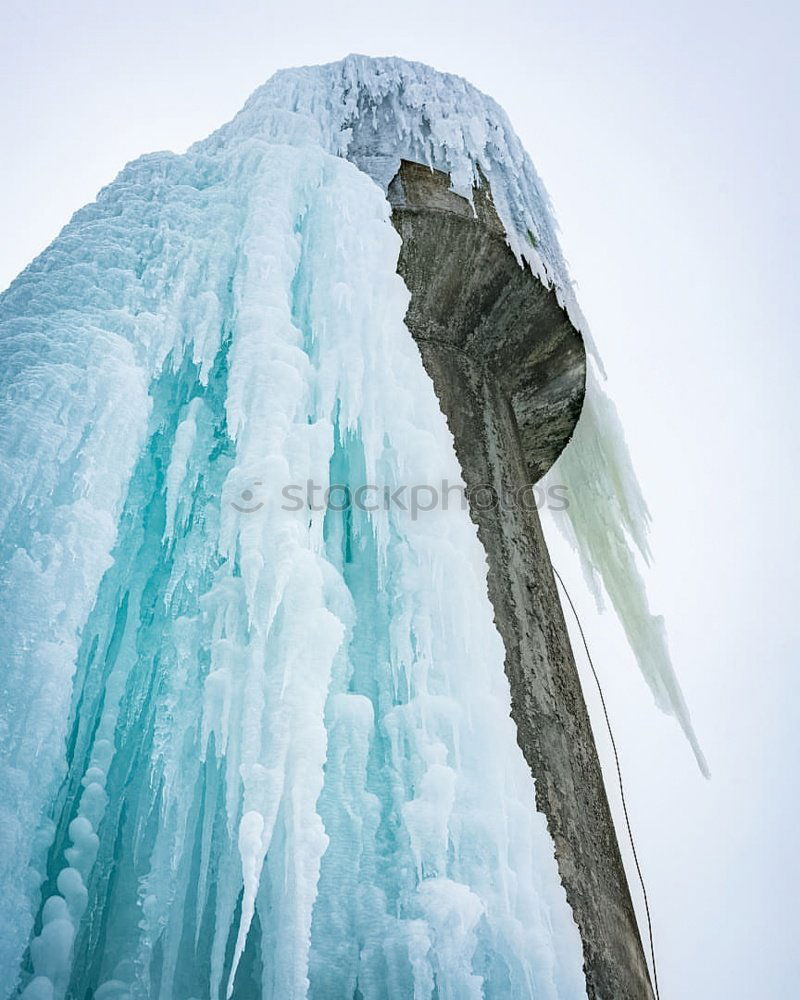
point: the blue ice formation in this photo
(248, 749)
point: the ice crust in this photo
(248, 750)
(376, 112)
(244, 749)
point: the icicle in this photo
(606, 520)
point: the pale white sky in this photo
(667, 136)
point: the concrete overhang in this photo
(471, 294)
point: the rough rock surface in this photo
(509, 370)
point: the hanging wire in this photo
(621, 784)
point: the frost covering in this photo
(376, 112)
(249, 749)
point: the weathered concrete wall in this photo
(509, 371)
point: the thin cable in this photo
(621, 785)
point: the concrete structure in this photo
(509, 371)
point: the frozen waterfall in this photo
(249, 748)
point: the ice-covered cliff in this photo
(376, 112)
(247, 746)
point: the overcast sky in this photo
(667, 136)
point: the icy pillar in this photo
(509, 371)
